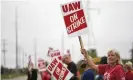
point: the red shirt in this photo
(45, 75)
(111, 73)
(129, 75)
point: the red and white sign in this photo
(50, 49)
(58, 70)
(55, 53)
(74, 18)
(41, 65)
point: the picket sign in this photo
(41, 65)
(55, 54)
(58, 70)
(74, 19)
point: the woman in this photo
(128, 69)
(45, 75)
(112, 70)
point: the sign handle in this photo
(81, 42)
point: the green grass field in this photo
(9, 76)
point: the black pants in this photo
(32, 75)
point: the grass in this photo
(9, 76)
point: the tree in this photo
(131, 53)
(92, 52)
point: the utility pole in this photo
(35, 48)
(62, 44)
(16, 29)
(132, 52)
(23, 59)
(4, 52)
(91, 37)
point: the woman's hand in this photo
(89, 60)
(84, 52)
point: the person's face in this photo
(66, 60)
(112, 58)
(127, 68)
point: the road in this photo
(22, 78)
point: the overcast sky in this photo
(42, 20)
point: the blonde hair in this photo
(129, 64)
(118, 55)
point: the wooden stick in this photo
(81, 42)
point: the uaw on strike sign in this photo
(74, 18)
(58, 70)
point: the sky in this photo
(41, 21)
